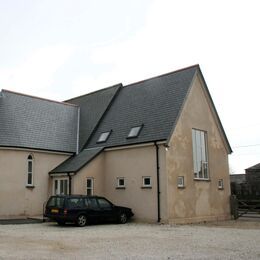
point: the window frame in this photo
(58, 181)
(149, 186)
(129, 136)
(180, 182)
(220, 184)
(91, 188)
(118, 185)
(30, 171)
(103, 140)
(200, 151)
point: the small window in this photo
(134, 132)
(103, 137)
(29, 171)
(220, 184)
(90, 186)
(120, 183)
(180, 183)
(147, 182)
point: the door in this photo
(61, 186)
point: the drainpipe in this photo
(69, 183)
(158, 181)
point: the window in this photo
(75, 203)
(220, 184)
(90, 186)
(103, 137)
(180, 182)
(147, 182)
(134, 132)
(200, 156)
(104, 204)
(61, 186)
(29, 171)
(120, 183)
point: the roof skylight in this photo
(103, 137)
(134, 132)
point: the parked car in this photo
(82, 209)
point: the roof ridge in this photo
(94, 92)
(162, 75)
(36, 97)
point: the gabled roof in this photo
(153, 104)
(92, 108)
(254, 168)
(77, 162)
(36, 123)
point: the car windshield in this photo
(57, 202)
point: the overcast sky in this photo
(59, 49)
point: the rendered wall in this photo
(200, 200)
(15, 199)
(132, 164)
(95, 169)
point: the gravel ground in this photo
(222, 240)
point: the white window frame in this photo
(30, 160)
(180, 182)
(103, 137)
(118, 185)
(144, 185)
(91, 187)
(58, 190)
(135, 131)
(221, 184)
(200, 155)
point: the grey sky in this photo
(62, 48)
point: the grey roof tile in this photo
(154, 103)
(31, 122)
(76, 162)
(92, 108)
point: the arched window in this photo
(30, 170)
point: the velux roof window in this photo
(135, 131)
(103, 137)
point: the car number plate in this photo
(54, 211)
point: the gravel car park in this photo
(222, 240)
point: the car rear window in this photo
(57, 202)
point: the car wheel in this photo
(122, 218)
(81, 220)
(61, 223)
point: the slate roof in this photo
(254, 168)
(92, 108)
(76, 162)
(154, 103)
(31, 122)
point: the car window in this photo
(92, 203)
(104, 204)
(75, 203)
(56, 202)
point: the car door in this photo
(107, 210)
(93, 209)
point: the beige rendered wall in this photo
(15, 198)
(199, 200)
(132, 164)
(95, 170)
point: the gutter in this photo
(158, 182)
